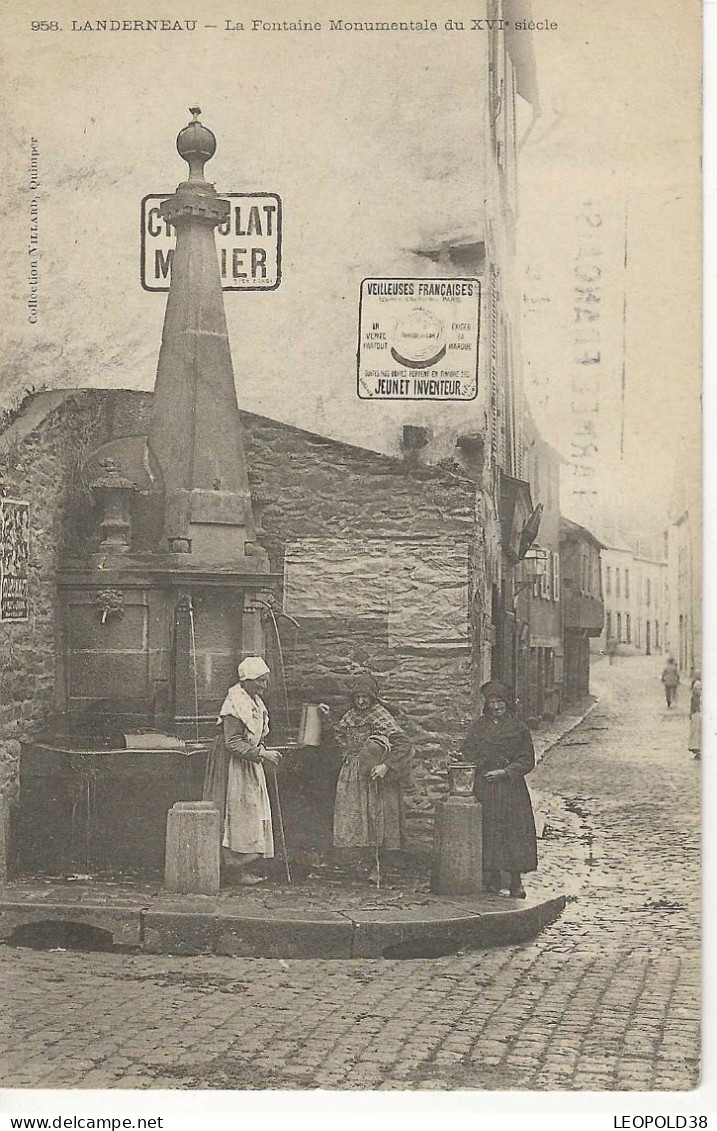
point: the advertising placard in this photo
(418, 339)
(248, 244)
(14, 559)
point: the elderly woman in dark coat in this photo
(368, 811)
(502, 749)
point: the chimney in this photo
(415, 438)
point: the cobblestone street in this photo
(606, 998)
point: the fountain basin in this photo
(94, 811)
(103, 811)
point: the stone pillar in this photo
(191, 863)
(195, 430)
(10, 751)
(4, 839)
(457, 847)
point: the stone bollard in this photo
(10, 751)
(457, 847)
(191, 862)
(4, 839)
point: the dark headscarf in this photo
(364, 684)
(499, 690)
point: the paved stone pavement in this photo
(606, 998)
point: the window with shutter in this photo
(556, 576)
(511, 387)
(494, 383)
(498, 96)
(545, 575)
(505, 375)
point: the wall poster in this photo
(14, 559)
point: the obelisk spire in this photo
(195, 431)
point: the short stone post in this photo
(191, 863)
(10, 751)
(4, 839)
(458, 839)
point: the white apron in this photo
(247, 815)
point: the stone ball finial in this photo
(196, 144)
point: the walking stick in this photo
(282, 833)
(374, 787)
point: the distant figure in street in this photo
(368, 811)
(670, 679)
(502, 749)
(235, 779)
(694, 743)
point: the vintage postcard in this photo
(350, 547)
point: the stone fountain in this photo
(155, 612)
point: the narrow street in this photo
(608, 997)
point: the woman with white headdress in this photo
(235, 779)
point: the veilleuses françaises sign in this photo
(248, 244)
(418, 339)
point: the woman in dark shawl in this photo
(368, 811)
(502, 749)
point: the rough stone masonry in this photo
(412, 607)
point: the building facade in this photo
(685, 569)
(684, 554)
(636, 593)
(538, 605)
(582, 603)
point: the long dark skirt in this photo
(509, 840)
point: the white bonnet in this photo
(253, 667)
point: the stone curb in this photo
(434, 938)
(124, 923)
(193, 930)
(578, 720)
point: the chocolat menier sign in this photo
(248, 243)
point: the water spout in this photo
(193, 649)
(280, 653)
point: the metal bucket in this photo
(461, 776)
(310, 725)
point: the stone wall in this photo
(414, 608)
(38, 466)
(425, 537)
(42, 454)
